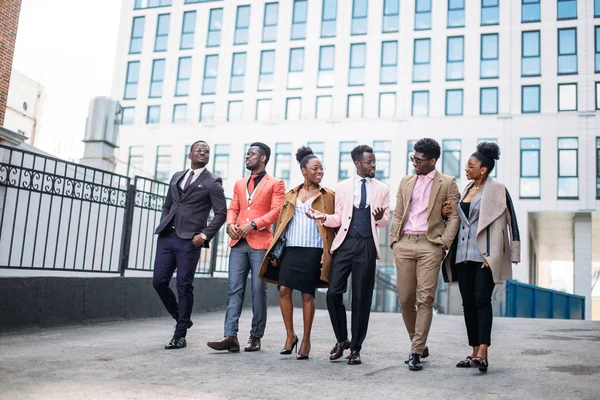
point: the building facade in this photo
(336, 73)
(9, 21)
(26, 98)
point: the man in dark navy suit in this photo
(183, 231)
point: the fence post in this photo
(127, 226)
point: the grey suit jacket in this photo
(189, 213)
(466, 248)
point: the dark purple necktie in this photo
(188, 181)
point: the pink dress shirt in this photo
(419, 202)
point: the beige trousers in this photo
(417, 266)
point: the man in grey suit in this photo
(182, 232)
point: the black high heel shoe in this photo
(285, 351)
(303, 356)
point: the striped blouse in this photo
(303, 231)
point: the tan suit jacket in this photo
(439, 232)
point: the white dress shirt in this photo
(197, 173)
(357, 188)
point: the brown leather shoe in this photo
(338, 350)
(230, 343)
(354, 358)
(253, 344)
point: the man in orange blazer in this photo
(254, 209)
(361, 204)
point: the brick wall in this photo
(9, 21)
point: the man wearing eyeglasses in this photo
(419, 237)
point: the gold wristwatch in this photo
(204, 237)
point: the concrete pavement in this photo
(533, 359)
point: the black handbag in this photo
(276, 254)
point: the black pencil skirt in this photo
(300, 269)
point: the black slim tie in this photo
(363, 194)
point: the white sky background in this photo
(69, 46)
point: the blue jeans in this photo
(242, 260)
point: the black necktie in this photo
(363, 194)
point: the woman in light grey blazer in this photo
(484, 249)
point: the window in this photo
(489, 56)
(267, 70)
(422, 15)
(420, 103)
(490, 12)
(211, 67)
(568, 182)
(360, 10)
(387, 105)
(566, 9)
(409, 151)
(530, 168)
(186, 155)
(207, 112)
(234, 111)
(494, 172)
(184, 72)
(293, 108)
(567, 97)
(422, 60)
(323, 109)
(238, 72)
(140, 4)
(242, 23)
(356, 74)
(530, 54)
(451, 158)
(246, 172)
(299, 20)
(355, 106)
(488, 100)
(283, 161)
(329, 18)
(188, 29)
(597, 96)
(383, 156)
(215, 24)
(135, 161)
(158, 77)
(567, 51)
(137, 35)
(162, 32)
(391, 16)
(455, 57)
(296, 68)
(346, 166)
(389, 63)
(596, 8)
(163, 163)
(456, 13)
(597, 50)
(326, 64)
(530, 102)
(153, 115)
(263, 110)
(179, 113)
(269, 33)
(318, 149)
(597, 162)
(131, 80)
(221, 161)
(454, 102)
(198, 1)
(530, 11)
(127, 115)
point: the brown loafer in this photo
(253, 344)
(466, 363)
(338, 350)
(230, 343)
(354, 358)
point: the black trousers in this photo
(173, 253)
(358, 256)
(476, 285)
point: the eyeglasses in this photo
(317, 169)
(418, 161)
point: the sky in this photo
(69, 46)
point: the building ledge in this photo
(10, 138)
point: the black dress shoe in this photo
(176, 343)
(425, 354)
(414, 362)
(338, 350)
(354, 358)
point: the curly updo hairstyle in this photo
(304, 155)
(487, 153)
